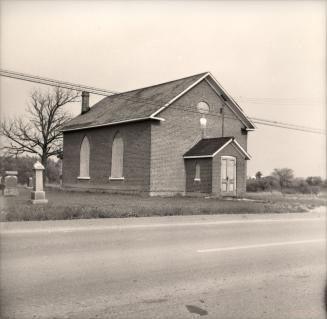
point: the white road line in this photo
(67, 229)
(283, 243)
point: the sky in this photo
(270, 56)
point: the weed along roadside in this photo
(79, 205)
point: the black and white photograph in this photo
(163, 159)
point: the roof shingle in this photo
(207, 146)
(131, 105)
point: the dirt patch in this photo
(197, 310)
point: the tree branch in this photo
(39, 133)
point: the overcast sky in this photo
(269, 55)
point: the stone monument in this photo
(38, 195)
(10, 182)
(30, 182)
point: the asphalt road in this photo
(237, 266)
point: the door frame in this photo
(229, 160)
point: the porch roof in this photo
(209, 147)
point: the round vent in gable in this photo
(203, 107)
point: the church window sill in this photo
(116, 178)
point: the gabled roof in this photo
(210, 147)
(142, 104)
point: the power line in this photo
(289, 126)
(281, 104)
(281, 99)
(52, 82)
(104, 92)
(306, 103)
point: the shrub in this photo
(254, 185)
(314, 180)
(315, 190)
(263, 184)
(300, 185)
(289, 190)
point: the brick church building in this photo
(181, 137)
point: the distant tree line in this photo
(24, 166)
(283, 180)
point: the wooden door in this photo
(228, 175)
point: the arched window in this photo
(203, 107)
(197, 172)
(117, 157)
(84, 159)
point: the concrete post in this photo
(38, 195)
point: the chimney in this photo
(85, 102)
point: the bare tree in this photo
(284, 176)
(39, 132)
